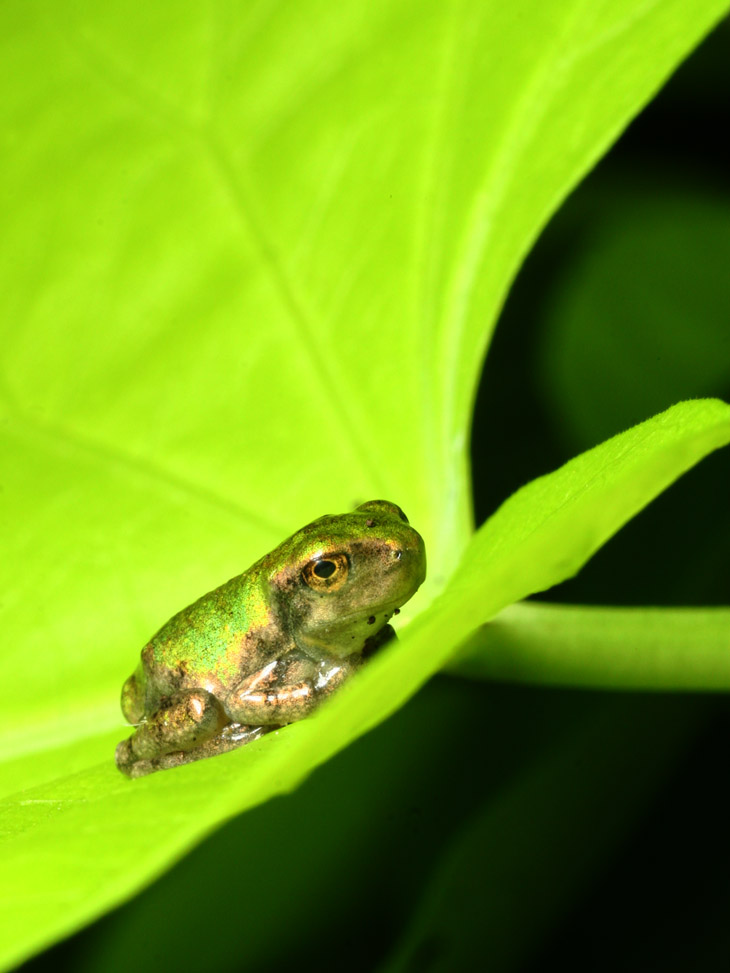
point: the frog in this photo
(268, 647)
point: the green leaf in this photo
(546, 531)
(620, 648)
(251, 258)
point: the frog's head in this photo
(338, 580)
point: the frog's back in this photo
(208, 641)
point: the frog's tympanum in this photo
(268, 646)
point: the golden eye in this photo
(326, 573)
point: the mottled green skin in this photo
(266, 647)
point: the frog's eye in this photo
(326, 573)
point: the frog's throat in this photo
(345, 639)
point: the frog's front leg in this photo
(287, 690)
(190, 718)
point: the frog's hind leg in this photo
(187, 721)
(231, 737)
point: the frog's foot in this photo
(186, 722)
(231, 737)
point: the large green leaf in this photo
(251, 257)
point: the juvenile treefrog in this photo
(269, 645)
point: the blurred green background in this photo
(514, 828)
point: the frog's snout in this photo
(406, 560)
(409, 557)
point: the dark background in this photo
(508, 828)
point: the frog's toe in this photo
(124, 756)
(140, 768)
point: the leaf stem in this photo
(681, 649)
